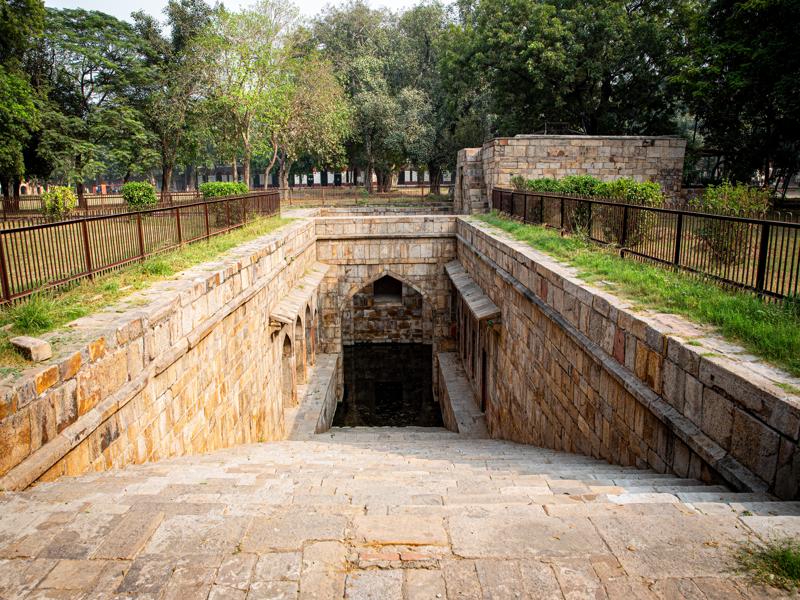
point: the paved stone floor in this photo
(381, 514)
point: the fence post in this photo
(178, 224)
(140, 230)
(678, 237)
(562, 212)
(623, 236)
(208, 230)
(763, 250)
(589, 221)
(4, 271)
(541, 210)
(227, 213)
(87, 252)
(244, 210)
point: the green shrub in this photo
(733, 198)
(609, 218)
(730, 242)
(645, 193)
(139, 195)
(579, 185)
(218, 189)
(59, 201)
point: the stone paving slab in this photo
(383, 513)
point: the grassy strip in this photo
(50, 310)
(775, 563)
(771, 331)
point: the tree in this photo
(247, 68)
(597, 67)
(359, 41)
(95, 63)
(741, 83)
(21, 23)
(317, 121)
(168, 99)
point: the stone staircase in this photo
(382, 513)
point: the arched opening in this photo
(311, 342)
(387, 357)
(288, 388)
(299, 352)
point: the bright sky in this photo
(122, 10)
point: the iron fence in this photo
(758, 255)
(345, 195)
(33, 203)
(42, 256)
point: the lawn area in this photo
(771, 331)
(50, 310)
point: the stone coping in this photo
(476, 300)
(292, 305)
(715, 366)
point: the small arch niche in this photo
(387, 290)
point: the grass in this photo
(775, 563)
(50, 310)
(771, 331)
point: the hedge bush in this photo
(59, 201)
(729, 242)
(608, 218)
(139, 195)
(217, 189)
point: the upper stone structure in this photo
(479, 170)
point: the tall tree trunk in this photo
(246, 167)
(283, 178)
(166, 182)
(271, 164)
(80, 188)
(234, 171)
(5, 181)
(16, 184)
(127, 177)
(368, 177)
(436, 176)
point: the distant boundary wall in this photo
(479, 170)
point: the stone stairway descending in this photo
(382, 513)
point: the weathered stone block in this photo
(33, 349)
(755, 445)
(717, 420)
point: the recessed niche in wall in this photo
(387, 290)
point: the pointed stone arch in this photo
(288, 382)
(299, 350)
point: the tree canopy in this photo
(375, 91)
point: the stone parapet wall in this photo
(658, 159)
(186, 366)
(574, 368)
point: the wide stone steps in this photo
(381, 513)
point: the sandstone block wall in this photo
(188, 366)
(658, 159)
(576, 369)
(412, 249)
(406, 320)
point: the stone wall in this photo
(401, 321)
(412, 249)
(573, 368)
(187, 366)
(658, 159)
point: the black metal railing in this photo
(42, 256)
(758, 255)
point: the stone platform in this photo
(381, 513)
